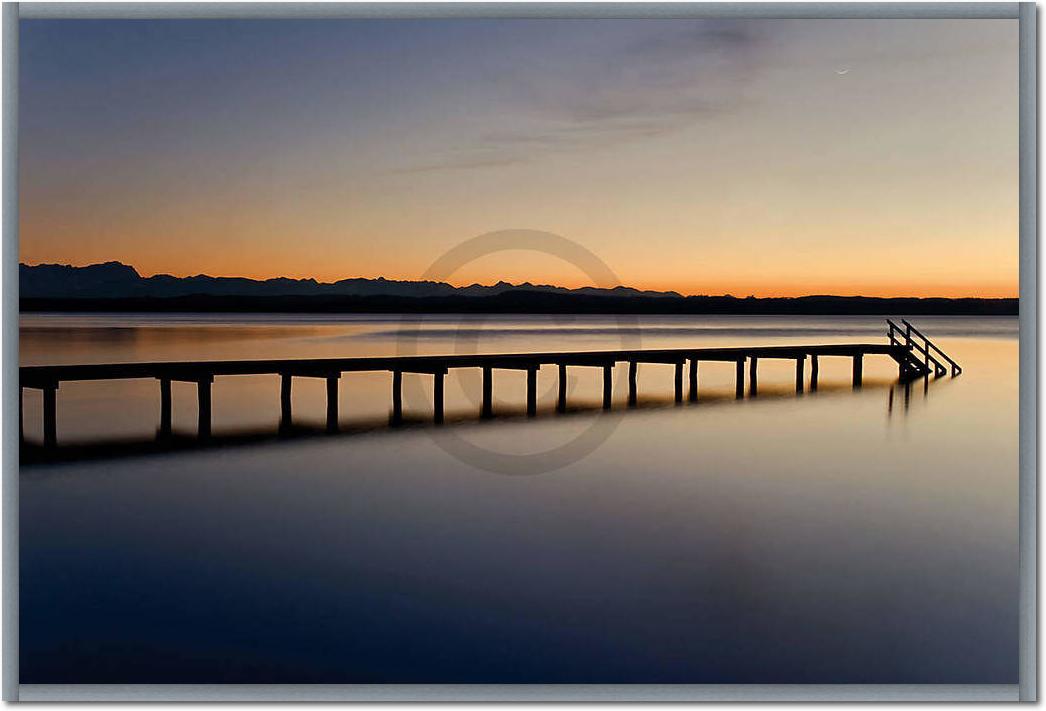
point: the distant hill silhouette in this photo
(114, 286)
(115, 280)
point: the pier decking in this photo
(914, 359)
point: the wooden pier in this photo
(915, 356)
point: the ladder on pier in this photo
(923, 355)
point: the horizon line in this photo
(642, 290)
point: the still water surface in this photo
(840, 536)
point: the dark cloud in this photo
(622, 91)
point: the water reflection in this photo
(171, 442)
(769, 540)
(902, 390)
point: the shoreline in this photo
(536, 304)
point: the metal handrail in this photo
(912, 362)
(912, 343)
(932, 345)
(925, 347)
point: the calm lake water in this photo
(840, 536)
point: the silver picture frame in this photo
(1027, 688)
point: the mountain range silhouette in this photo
(115, 280)
(114, 286)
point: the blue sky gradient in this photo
(778, 156)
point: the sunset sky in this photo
(765, 157)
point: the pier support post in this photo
(332, 402)
(800, 366)
(285, 400)
(679, 382)
(203, 392)
(165, 407)
(397, 397)
(607, 385)
(561, 401)
(488, 387)
(739, 380)
(633, 383)
(858, 370)
(50, 393)
(813, 373)
(753, 378)
(437, 397)
(532, 392)
(693, 380)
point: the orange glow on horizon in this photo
(739, 288)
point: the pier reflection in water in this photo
(780, 538)
(169, 442)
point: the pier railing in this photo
(929, 345)
(931, 355)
